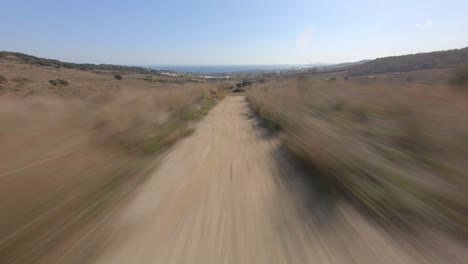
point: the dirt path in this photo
(227, 195)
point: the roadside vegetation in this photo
(64, 160)
(398, 152)
(21, 82)
(58, 82)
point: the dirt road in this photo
(227, 194)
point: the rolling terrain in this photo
(114, 165)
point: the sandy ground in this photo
(228, 194)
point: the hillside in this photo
(33, 60)
(25, 75)
(412, 62)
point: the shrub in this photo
(238, 90)
(244, 84)
(20, 82)
(44, 62)
(460, 76)
(58, 82)
(247, 83)
(62, 82)
(118, 77)
(3, 79)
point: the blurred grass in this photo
(397, 152)
(65, 161)
(179, 126)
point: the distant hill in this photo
(413, 62)
(29, 59)
(347, 64)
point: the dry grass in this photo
(30, 80)
(66, 156)
(398, 151)
(433, 77)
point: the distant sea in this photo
(222, 68)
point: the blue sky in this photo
(209, 32)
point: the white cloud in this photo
(428, 22)
(304, 39)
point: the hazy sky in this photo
(230, 32)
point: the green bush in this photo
(118, 77)
(44, 62)
(58, 82)
(62, 82)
